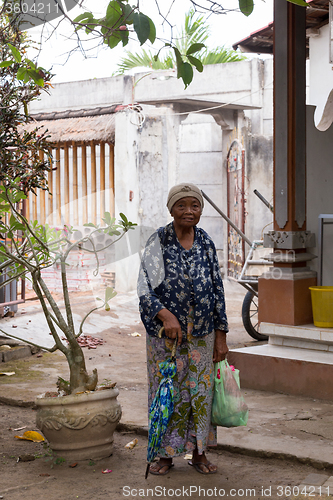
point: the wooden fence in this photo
(13, 293)
(82, 186)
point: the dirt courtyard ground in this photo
(48, 478)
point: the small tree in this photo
(26, 249)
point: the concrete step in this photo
(288, 370)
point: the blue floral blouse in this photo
(174, 278)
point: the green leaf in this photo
(124, 36)
(195, 62)
(18, 227)
(109, 293)
(84, 16)
(298, 2)
(141, 27)
(195, 47)
(5, 64)
(113, 41)
(22, 74)
(179, 62)
(90, 224)
(128, 13)
(113, 14)
(19, 196)
(108, 219)
(186, 73)
(15, 52)
(246, 6)
(30, 63)
(90, 25)
(152, 32)
(36, 77)
(124, 218)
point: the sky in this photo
(102, 62)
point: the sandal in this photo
(160, 466)
(197, 467)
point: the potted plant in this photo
(26, 249)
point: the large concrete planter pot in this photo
(80, 426)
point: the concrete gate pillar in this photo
(284, 295)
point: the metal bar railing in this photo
(225, 217)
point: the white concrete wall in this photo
(201, 162)
(145, 163)
(233, 81)
(259, 175)
(319, 151)
(126, 180)
(85, 94)
(321, 74)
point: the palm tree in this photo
(194, 30)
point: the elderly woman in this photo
(180, 288)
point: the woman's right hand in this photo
(171, 325)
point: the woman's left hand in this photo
(220, 346)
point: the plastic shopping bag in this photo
(229, 408)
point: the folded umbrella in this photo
(162, 406)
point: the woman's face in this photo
(186, 212)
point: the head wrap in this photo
(184, 191)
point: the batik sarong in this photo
(190, 425)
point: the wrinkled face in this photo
(186, 212)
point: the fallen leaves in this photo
(88, 341)
(106, 471)
(31, 436)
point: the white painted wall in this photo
(201, 163)
(321, 75)
(126, 180)
(85, 94)
(236, 82)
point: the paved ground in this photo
(295, 429)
